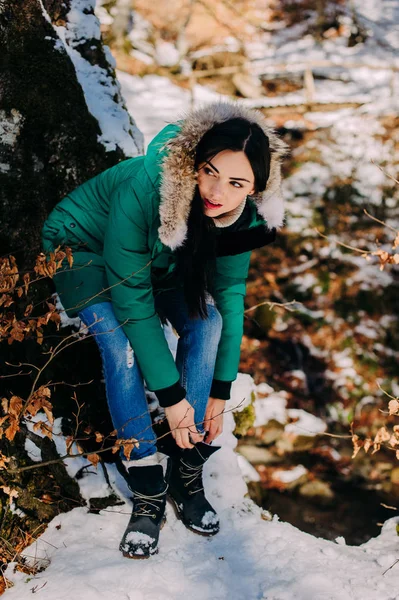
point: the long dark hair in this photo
(196, 259)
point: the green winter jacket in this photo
(123, 227)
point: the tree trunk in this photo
(50, 139)
(62, 121)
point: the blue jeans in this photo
(195, 360)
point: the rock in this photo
(248, 85)
(292, 477)
(257, 455)
(271, 432)
(318, 492)
(289, 442)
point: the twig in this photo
(100, 451)
(15, 374)
(388, 175)
(363, 252)
(387, 506)
(70, 384)
(82, 302)
(273, 304)
(386, 393)
(386, 570)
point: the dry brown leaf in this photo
(47, 499)
(44, 428)
(376, 448)
(94, 459)
(367, 444)
(393, 407)
(48, 414)
(4, 460)
(28, 310)
(357, 445)
(382, 435)
(15, 406)
(26, 279)
(4, 404)
(12, 429)
(128, 446)
(99, 437)
(69, 444)
(39, 334)
(9, 491)
(393, 441)
(55, 318)
(69, 256)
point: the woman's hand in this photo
(213, 422)
(181, 422)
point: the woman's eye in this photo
(208, 171)
(236, 184)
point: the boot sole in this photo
(180, 517)
(144, 556)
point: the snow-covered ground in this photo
(252, 557)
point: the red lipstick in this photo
(211, 205)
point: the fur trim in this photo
(179, 179)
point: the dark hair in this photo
(196, 259)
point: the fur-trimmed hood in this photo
(178, 178)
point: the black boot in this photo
(187, 492)
(148, 485)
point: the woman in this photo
(168, 236)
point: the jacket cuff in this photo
(220, 389)
(170, 395)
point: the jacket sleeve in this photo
(128, 267)
(229, 294)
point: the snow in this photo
(209, 518)
(118, 130)
(66, 321)
(289, 475)
(272, 407)
(305, 282)
(137, 537)
(306, 423)
(250, 557)
(248, 472)
(33, 451)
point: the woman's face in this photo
(224, 182)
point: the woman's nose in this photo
(217, 191)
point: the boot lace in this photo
(192, 475)
(144, 504)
